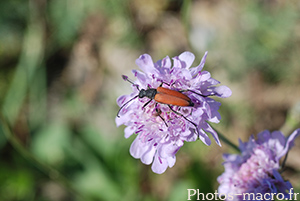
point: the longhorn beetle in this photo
(165, 96)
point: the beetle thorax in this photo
(149, 93)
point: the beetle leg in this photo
(158, 113)
(166, 84)
(184, 118)
(146, 104)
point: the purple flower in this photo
(162, 129)
(256, 169)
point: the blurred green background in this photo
(61, 63)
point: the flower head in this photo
(161, 128)
(256, 169)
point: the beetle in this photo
(167, 96)
(164, 96)
(161, 95)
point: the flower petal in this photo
(137, 149)
(221, 91)
(203, 137)
(166, 62)
(146, 64)
(209, 129)
(171, 161)
(201, 65)
(187, 59)
(148, 156)
(289, 143)
(129, 130)
(168, 150)
(198, 69)
(159, 165)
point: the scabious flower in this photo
(255, 172)
(160, 131)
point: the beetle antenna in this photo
(126, 104)
(196, 93)
(128, 80)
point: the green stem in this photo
(43, 167)
(226, 140)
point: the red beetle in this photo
(168, 96)
(161, 95)
(164, 96)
